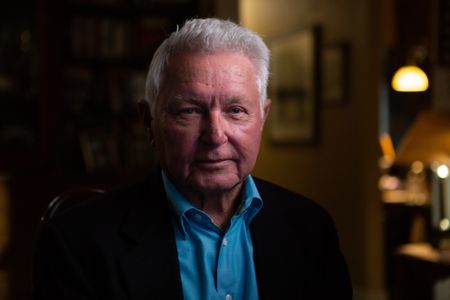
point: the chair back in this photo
(69, 199)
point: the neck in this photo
(220, 206)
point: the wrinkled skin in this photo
(207, 125)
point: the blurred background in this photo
(376, 157)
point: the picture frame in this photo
(335, 73)
(295, 87)
(99, 147)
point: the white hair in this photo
(209, 36)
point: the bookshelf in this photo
(104, 49)
(18, 85)
(71, 72)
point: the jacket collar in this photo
(150, 267)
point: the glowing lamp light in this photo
(440, 203)
(410, 79)
(444, 224)
(442, 171)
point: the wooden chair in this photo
(66, 200)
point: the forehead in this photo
(210, 68)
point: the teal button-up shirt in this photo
(215, 264)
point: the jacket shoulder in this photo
(108, 213)
(276, 198)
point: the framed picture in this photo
(100, 151)
(335, 73)
(295, 88)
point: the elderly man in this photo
(201, 227)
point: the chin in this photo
(214, 183)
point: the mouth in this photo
(211, 163)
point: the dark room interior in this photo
(72, 71)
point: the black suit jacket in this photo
(122, 246)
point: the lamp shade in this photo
(427, 140)
(410, 78)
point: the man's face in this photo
(207, 125)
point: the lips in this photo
(211, 163)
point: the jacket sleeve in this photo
(337, 272)
(57, 274)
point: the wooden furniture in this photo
(98, 75)
(71, 75)
(69, 199)
(402, 224)
(418, 267)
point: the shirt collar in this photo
(251, 200)
(178, 202)
(250, 206)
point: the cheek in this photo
(248, 141)
(176, 142)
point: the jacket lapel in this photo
(150, 267)
(279, 262)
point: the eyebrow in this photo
(189, 99)
(192, 99)
(236, 99)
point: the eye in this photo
(236, 110)
(189, 110)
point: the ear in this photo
(146, 117)
(144, 113)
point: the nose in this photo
(214, 129)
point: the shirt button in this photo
(228, 297)
(225, 243)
